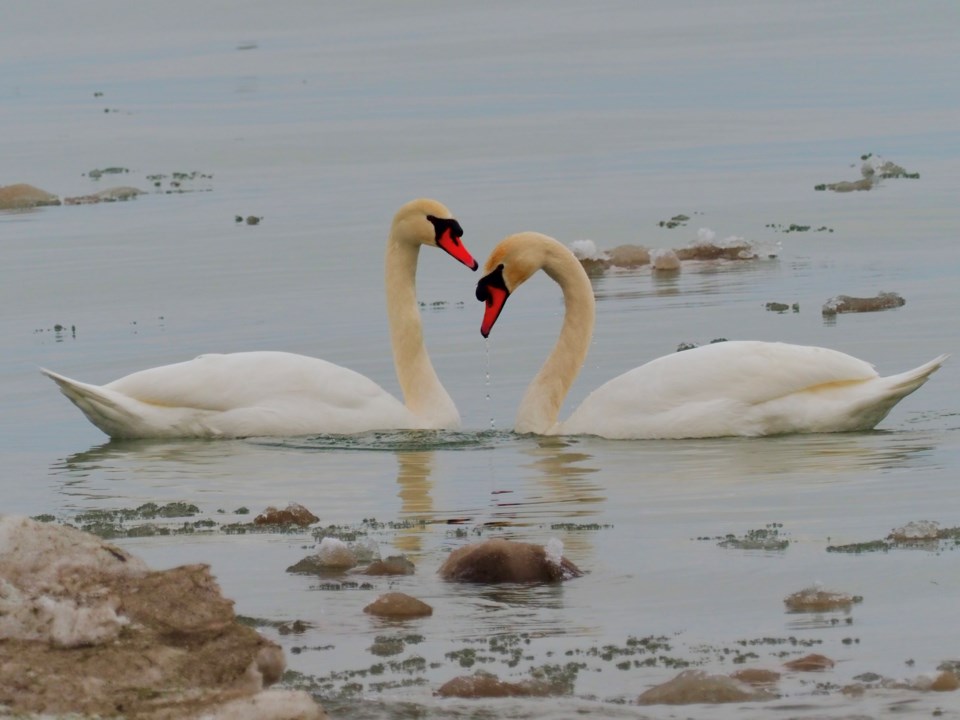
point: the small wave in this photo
(393, 440)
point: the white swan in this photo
(727, 388)
(278, 393)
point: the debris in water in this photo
(499, 560)
(115, 194)
(873, 169)
(849, 304)
(398, 605)
(676, 221)
(779, 307)
(766, 538)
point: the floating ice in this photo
(587, 250)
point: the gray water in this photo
(581, 121)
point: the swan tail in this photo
(901, 385)
(868, 412)
(104, 408)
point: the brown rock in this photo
(945, 682)
(22, 195)
(485, 685)
(398, 605)
(816, 600)
(810, 663)
(393, 565)
(499, 560)
(293, 514)
(756, 676)
(696, 686)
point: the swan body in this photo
(747, 388)
(278, 393)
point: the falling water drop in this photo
(486, 347)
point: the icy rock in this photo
(664, 260)
(334, 553)
(850, 304)
(916, 530)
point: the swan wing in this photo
(238, 395)
(743, 388)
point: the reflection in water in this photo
(416, 501)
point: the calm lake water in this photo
(580, 121)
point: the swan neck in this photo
(540, 408)
(423, 393)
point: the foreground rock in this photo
(88, 629)
(21, 195)
(499, 561)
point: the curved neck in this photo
(541, 403)
(423, 393)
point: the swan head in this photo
(428, 222)
(511, 263)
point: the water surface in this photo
(582, 122)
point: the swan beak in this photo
(493, 291)
(448, 234)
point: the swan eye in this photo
(446, 226)
(492, 280)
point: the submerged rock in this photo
(499, 560)
(849, 304)
(89, 629)
(113, 194)
(486, 685)
(813, 662)
(21, 195)
(393, 565)
(696, 686)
